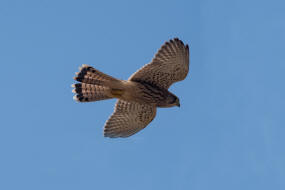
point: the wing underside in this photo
(128, 118)
(170, 65)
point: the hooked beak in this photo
(178, 104)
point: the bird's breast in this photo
(144, 93)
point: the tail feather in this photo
(89, 75)
(90, 92)
(95, 85)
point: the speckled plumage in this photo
(169, 65)
(140, 95)
(128, 118)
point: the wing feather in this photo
(128, 118)
(169, 65)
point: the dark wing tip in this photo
(110, 133)
(176, 40)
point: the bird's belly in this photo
(143, 94)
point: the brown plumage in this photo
(140, 95)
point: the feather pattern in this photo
(169, 65)
(128, 118)
(89, 92)
(139, 96)
(89, 75)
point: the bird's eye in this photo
(173, 100)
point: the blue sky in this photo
(227, 134)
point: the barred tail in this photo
(89, 75)
(89, 92)
(95, 85)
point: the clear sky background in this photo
(228, 133)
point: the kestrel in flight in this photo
(140, 95)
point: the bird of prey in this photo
(140, 95)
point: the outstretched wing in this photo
(128, 118)
(170, 64)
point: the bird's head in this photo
(172, 100)
(176, 102)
